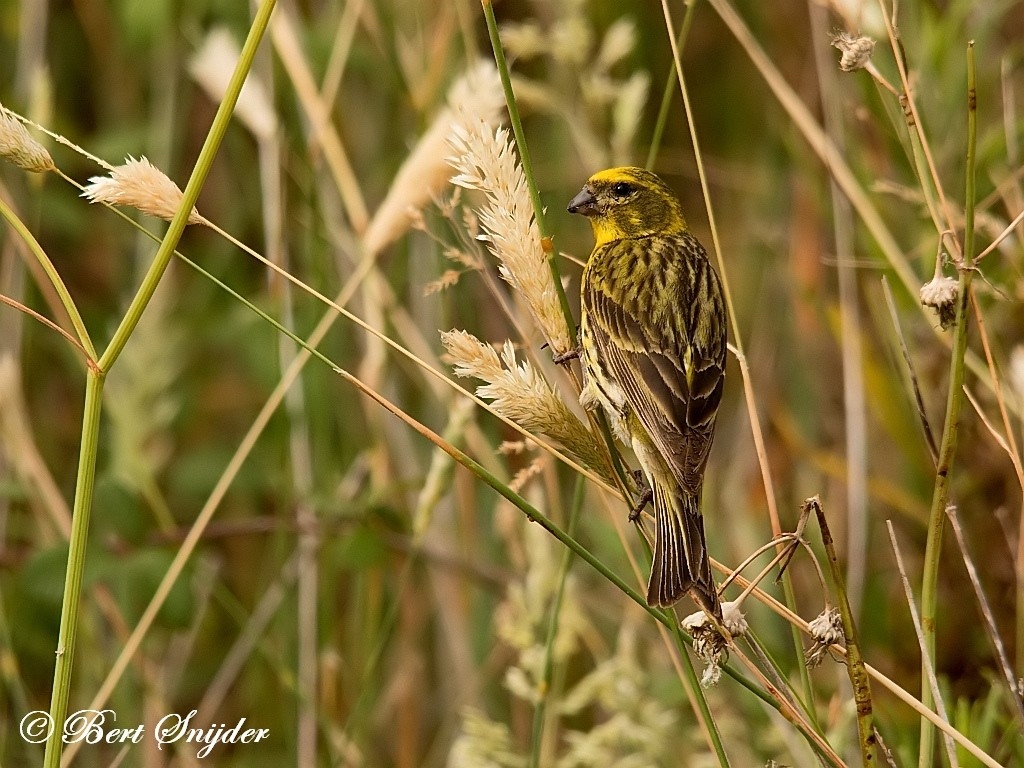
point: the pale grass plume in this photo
(19, 148)
(637, 729)
(523, 40)
(483, 743)
(485, 160)
(447, 279)
(139, 184)
(630, 98)
(425, 171)
(572, 36)
(606, 103)
(439, 476)
(1017, 372)
(212, 67)
(526, 474)
(521, 620)
(617, 44)
(520, 393)
(139, 394)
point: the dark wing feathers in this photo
(675, 402)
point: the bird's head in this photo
(628, 203)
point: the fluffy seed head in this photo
(212, 67)
(19, 148)
(139, 184)
(520, 393)
(484, 160)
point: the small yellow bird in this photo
(652, 348)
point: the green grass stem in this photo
(948, 444)
(854, 661)
(541, 710)
(51, 272)
(89, 445)
(524, 158)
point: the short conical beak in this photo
(584, 203)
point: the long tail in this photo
(681, 563)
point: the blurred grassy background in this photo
(310, 608)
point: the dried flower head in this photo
(19, 148)
(139, 184)
(856, 50)
(485, 160)
(941, 294)
(826, 629)
(519, 392)
(709, 644)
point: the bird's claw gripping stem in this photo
(573, 354)
(564, 357)
(646, 495)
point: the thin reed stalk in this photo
(540, 712)
(89, 446)
(950, 431)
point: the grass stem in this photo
(75, 572)
(541, 710)
(948, 444)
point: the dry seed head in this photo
(856, 50)
(941, 294)
(139, 184)
(485, 160)
(519, 392)
(826, 629)
(709, 643)
(18, 147)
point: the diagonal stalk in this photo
(51, 272)
(541, 710)
(191, 193)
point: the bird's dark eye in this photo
(622, 189)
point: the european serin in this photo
(653, 343)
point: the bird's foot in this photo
(646, 495)
(564, 357)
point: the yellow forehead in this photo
(611, 175)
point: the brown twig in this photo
(855, 662)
